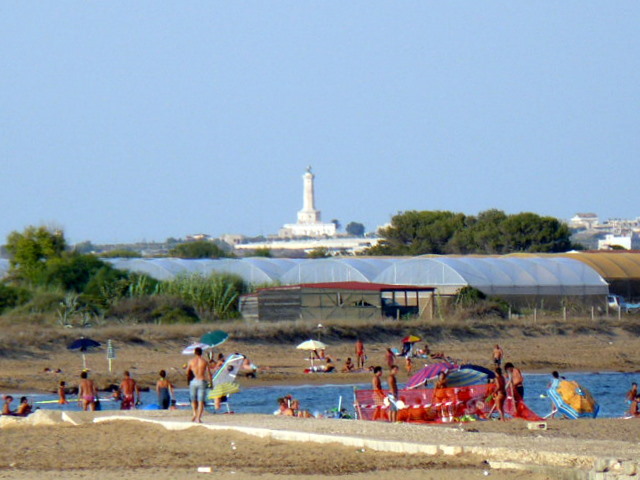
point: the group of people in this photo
(24, 408)
(507, 383)
(127, 393)
(290, 407)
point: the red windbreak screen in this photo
(442, 405)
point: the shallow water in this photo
(609, 389)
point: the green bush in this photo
(159, 309)
(11, 297)
(41, 301)
(214, 297)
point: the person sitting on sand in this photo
(25, 408)
(62, 393)
(348, 366)
(218, 363)
(6, 407)
(87, 392)
(297, 412)
(248, 368)
(283, 408)
(329, 367)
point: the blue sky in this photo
(129, 121)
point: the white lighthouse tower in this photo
(309, 224)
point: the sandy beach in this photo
(142, 451)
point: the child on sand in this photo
(62, 394)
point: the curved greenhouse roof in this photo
(618, 266)
(325, 270)
(498, 275)
(494, 275)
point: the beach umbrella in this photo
(429, 372)
(490, 373)
(465, 377)
(191, 349)
(214, 338)
(411, 339)
(83, 344)
(573, 400)
(311, 345)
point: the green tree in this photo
(319, 252)
(528, 232)
(491, 232)
(30, 250)
(72, 271)
(417, 233)
(336, 222)
(121, 253)
(262, 252)
(198, 249)
(354, 228)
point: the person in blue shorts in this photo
(198, 370)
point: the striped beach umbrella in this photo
(429, 372)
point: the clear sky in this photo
(128, 121)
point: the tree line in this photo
(490, 232)
(47, 277)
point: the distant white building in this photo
(584, 220)
(628, 241)
(309, 224)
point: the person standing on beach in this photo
(393, 394)
(497, 355)
(198, 368)
(390, 357)
(62, 393)
(129, 391)
(500, 394)
(515, 385)
(378, 394)
(360, 355)
(87, 392)
(164, 390)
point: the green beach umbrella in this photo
(215, 338)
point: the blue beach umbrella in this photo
(465, 377)
(573, 400)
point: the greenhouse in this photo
(528, 279)
(620, 269)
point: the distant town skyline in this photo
(125, 124)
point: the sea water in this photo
(609, 389)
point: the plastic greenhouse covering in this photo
(499, 275)
(494, 275)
